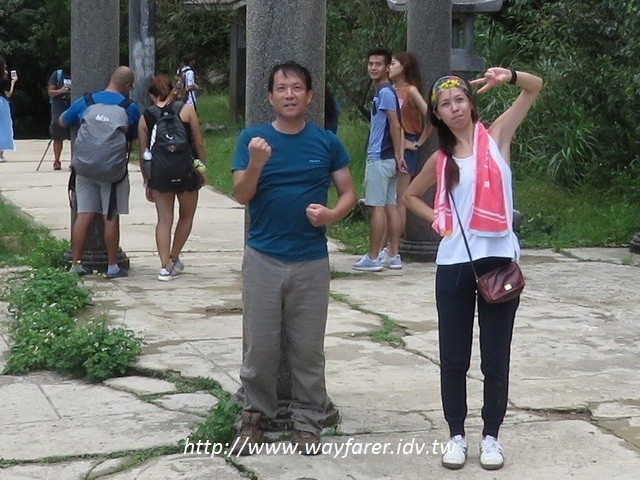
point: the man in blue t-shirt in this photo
(94, 196)
(384, 160)
(282, 171)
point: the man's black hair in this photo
(289, 68)
(381, 52)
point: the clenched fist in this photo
(259, 151)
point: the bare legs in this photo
(165, 202)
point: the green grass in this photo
(23, 242)
(554, 216)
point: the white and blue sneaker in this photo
(167, 275)
(455, 453)
(365, 264)
(491, 456)
(178, 266)
(394, 263)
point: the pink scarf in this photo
(488, 216)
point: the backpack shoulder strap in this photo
(125, 103)
(88, 99)
(176, 107)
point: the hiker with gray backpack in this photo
(107, 122)
(173, 158)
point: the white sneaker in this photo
(365, 264)
(491, 457)
(455, 453)
(167, 275)
(382, 255)
(178, 266)
(394, 263)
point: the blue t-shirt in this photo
(297, 173)
(380, 144)
(75, 112)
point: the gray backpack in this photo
(100, 149)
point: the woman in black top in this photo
(160, 91)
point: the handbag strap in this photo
(464, 237)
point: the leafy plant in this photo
(46, 289)
(219, 425)
(95, 352)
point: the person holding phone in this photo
(59, 90)
(7, 85)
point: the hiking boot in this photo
(491, 457)
(57, 165)
(167, 275)
(178, 266)
(365, 264)
(455, 453)
(394, 263)
(78, 269)
(121, 272)
(306, 443)
(249, 435)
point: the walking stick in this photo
(44, 154)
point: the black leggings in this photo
(456, 301)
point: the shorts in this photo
(56, 131)
(411, 156)
(380, 183)
(93, 197)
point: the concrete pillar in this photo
(238, 65)
(95, 38)
(142, 48)
(429, 38)
(277, 31)
(281, 30)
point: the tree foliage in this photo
(584, 129)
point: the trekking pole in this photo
(44, 154)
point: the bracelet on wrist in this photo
(514, 77)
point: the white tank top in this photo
(451, 249)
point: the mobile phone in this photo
(14, 74)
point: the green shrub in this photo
(34, 337)
(46, 289)
(219, 425)
(95, 352)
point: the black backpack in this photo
(171, 166)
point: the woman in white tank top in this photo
(471, 171)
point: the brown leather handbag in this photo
(500, 284)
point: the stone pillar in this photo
(281, 30)
(238, 65)
(95, 38)
(277, 31)
(142, 48)
(429, 38)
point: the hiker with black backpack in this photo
(170, 139)
(59, 90)
(107, 122)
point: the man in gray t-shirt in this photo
(59, 90)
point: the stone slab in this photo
(195, 403)
(140, 385)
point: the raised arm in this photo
(505, 126)
(245, 182)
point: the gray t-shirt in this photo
(60, 103)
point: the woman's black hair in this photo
(446, 138)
